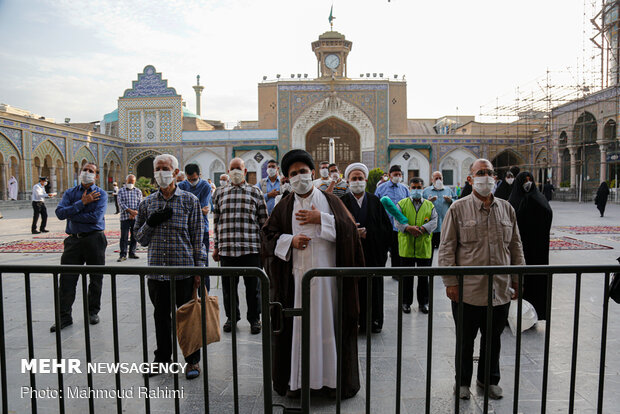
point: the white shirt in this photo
(361, 199)
(38, 192)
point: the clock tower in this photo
(331, 51)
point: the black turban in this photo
(395, 168)
(294, 156)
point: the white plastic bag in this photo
(528, 319)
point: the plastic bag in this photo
(529, 317)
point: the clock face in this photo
(332, 61)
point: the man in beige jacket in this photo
(481, 230)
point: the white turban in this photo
(356, 166)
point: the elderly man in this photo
(481, 230)
(39, 194)
(129, 198)
(170, 223)
(239, 212)
(224, 181)
(270, 186)
(308, 229)
(396, 191)
(203, 191)
(442, 197)
(375, 231)
(84, 207)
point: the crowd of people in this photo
(300, 217)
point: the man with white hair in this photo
(224, 180)
(170, 224)
(129, 198)
(375, 232)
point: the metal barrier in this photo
(460, 272)
(140, 272)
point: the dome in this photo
(111, 117)
(189, 114)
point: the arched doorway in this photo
(346, 138)
(504, 160)
(145, 168)
(588, 154)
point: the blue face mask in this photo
(416, 193)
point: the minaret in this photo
(198, 88)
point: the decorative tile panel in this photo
(165, 126)
(149, 84)
(37, 139)
(90, 145)
(134, 126)
(15, 136)
(150, 129)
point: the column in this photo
(560, 168)
(53, 179)
(7, 175)
(603, 149)
(573, 166)
(3, 183)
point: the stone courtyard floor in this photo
(16, 226)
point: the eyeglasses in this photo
(483, 172)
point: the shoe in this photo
(376, 328)
(463, 392)
(255, 328)
(63, 325)
(44, 231)
(193, 371)
(424, 308)
(293, 394)
(93, 319)
(227, 326)
(121, 259)
(495, 391)
(406, 308)
(133, 256)
(35, 232)
(155, 373)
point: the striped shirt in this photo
(178, 241)
(239, 212)
(128, 199)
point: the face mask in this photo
(86, 177)
(301, 183)
(129, 186)
(223, 183)
(510, 180)
(438, 185)
(285, 187)
(164, 178)
(193, 183)
(357, 187)
(272, 172)
(484, 185)
(396, 179)
(527, 186)
(236, 176)
(324, 172)
(335, 176)
(416, 193)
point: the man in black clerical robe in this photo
(374, 227)
(348, 253)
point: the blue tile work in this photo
(37, 139)
(15, 136)
(91, 146)
(149, 84)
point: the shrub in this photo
(373, 178)
(144, 184)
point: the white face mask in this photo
(86, 177)
(285, 187)
(396, 179)
(438, 184)
(357, 187)
(193, 183)
(129, 186)
(510, 180)
(527, 186)
(484, 185)
(236, 176)
(164, 178)
(223, 183)
(272, 172)
(324, 172)
(334, 176)
(301, 183)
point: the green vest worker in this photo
(414, 242)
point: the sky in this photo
(73, 58)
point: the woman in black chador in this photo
(534, 217)
(601, 197)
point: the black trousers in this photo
(88, 250)
(377, 301)
(116, 203)
(126, 230)
(252, 286)
(38, 208)
(435, 241)
(474, 319)
(422, 290)
(159, 293)
(394, 255)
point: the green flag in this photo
(331, 14)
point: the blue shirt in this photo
(441, 205)
(82, 218)
(395, 192)
(202, 190)
(265, 185)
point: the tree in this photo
(144, 184)
(373, 178)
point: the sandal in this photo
(193, 371)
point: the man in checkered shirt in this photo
(128, 200)
(239, 212)
(170, 223)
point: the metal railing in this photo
(460, 273)
(139, 272)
